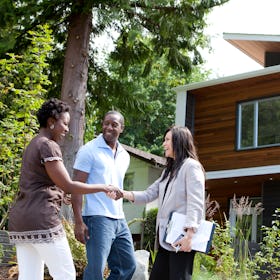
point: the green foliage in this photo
(150, 228)
(148, 103)
(135, 220)
(91, 121)
(230, 257)
(149, 234)
(221, 260)
(222, 264)
(175, 30)
(22, 89)
(174, 27)
(226, 259)
(7, 20)
(153, 254)
(267, 260)
(202, 275)
(1, 252)
(140, 33)
(242, 232)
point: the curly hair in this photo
(52, 108)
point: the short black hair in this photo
(51, 109)
(113, 112)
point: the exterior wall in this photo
(215, 127)
(144, 175)
(215, 123)
(154, 174)
(223, 190)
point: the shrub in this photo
(267, 260)
(150, 229)
(220, 261)
(22, 82)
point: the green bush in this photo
(22, 91)
(150, 229)
(220, 261)
(267, 260)
(225, 260)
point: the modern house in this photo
(235, 121)
(144, 169)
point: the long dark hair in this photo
(183, 147)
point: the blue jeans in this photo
(110, 241)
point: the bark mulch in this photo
(8, 272)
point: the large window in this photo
(259, 123)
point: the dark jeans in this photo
(172, 266)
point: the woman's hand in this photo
(115, 194)
(185, 243)
(124, 194)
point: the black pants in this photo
(172, 266)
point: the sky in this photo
(239, 16)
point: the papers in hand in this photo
(201, 240)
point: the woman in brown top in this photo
(34, 224)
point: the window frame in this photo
(255, 103)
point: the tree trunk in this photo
(74, 86)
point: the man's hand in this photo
(115, 194)
(67, 199)
(81, 232)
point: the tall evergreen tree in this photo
(174, 29)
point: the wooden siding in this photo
(222, 190)
(215, 123)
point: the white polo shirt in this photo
(97, 159)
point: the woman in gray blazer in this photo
(180, 188)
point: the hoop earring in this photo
(52, 127)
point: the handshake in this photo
(114, 192)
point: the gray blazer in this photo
(185, 194)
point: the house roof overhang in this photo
(145, 156)
(229, 79)
(243, 172)
(254, 45)
(231, 179)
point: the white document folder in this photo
(201, 240)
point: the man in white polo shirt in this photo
(101, 224)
